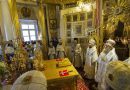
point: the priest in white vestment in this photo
(51, 51)
(60, 51)
(90, 62)
(107, 55)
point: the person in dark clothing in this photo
(55, 41)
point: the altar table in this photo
(60, 74)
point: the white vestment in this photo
(51, 53)
(60, 52)
(91, 57)
(103, 61)
(127, 60)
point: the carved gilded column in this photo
(2, 32)
(14, 17)
(42, 27)
(99, 22)
(6, 21)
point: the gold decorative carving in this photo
(115, 11)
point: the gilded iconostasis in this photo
(116, 18)
(69, 19)
(65, 19)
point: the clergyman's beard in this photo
(90, 46)
(60, 43)
(106, 50)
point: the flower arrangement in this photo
(2, 68)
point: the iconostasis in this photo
(78, 22)
(116, 13)
(117, 25)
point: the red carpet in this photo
(81, 85)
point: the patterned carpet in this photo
(91, 84)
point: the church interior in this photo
(64, 44)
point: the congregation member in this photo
(9, 51)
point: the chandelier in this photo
(86, 5)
